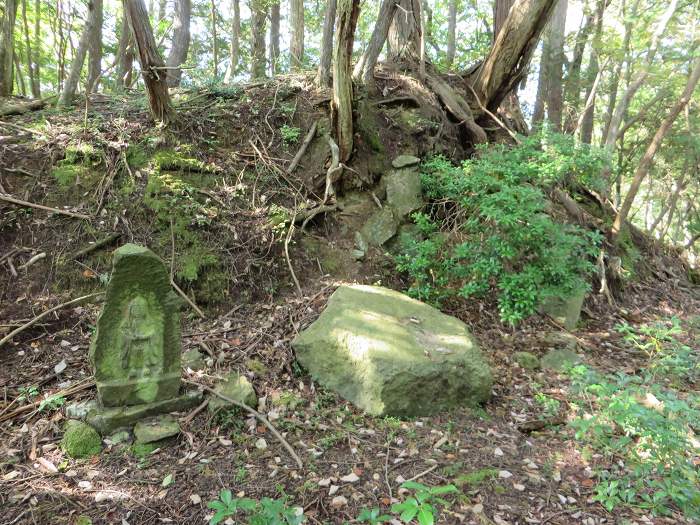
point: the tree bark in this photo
(125, 54)
(501, 8)
(648, 158)
(234, 47)
(257, 33)
(214, 40)
(181, 42)
(296, 45)
(324, 64)
(31, 61)
(37, 49)
(405, 32)
(670, 206)
(76, 66)
(452, 31)
(161, 10)
(7, 48)
(95, 47)
(341, 105)
(151, 63)
(586, 119)
(510, 55)
(274, 37)
(364, 68)
(555, 88)
(538, 111)
(572, 86)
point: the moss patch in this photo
(80, 440)
(476, 477)
(141, 450)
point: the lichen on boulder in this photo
(80, 440)
(392, 355)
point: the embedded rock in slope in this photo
(390, 354)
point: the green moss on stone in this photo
(141, 450)
(526, 360)
(80, 440)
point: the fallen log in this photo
(23, 107)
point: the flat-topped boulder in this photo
(392, 355)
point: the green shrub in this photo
(267, 511)
(488, 228)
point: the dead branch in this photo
(493, 116)
(335, 169)
(86, 384)
(47, 312)
(397, 100)
(257, 416)
(187, 299)
(23, 107)
(96, 245)
(32, 260)
(8, 198)
(304, 216)
(304, 145)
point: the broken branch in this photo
(9, 198)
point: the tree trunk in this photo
(125, 55)
(341, 105)
(648, 158)
(405, 32)
(572, 86)
(586, 119)
(507, 62)
(257, 33)
(501, 8)
(364, 69)
(152, 67)
(555, 102)
(22, 87)
(36, 89)
(95, 47)
(452, 32)
(296, 44)
(274, 37)
(161, 10)
(31, 61)
(324, 64)
(7, 48)
(670, 206)
(538, 111)
(214, 39)
(234, 47)
(76, 66)
(181, 42)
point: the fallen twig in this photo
(425, 472)
(334, 171)
(288, 238)
(304, 216)
(86, 384)
(96, 245)
(257, 416)
(188, 300)
(8, 198)
(32, 260)
(494, 117)
(47, 312)
(304, 145)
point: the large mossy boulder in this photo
(392, 355)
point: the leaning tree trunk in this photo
(452, 32)
(95, 48)
(296, 45)
(152, 67)
(648, 158)
(364, 68)
(555, 89)
(324, 64)
(234, 47)
(76, 65)
(125, 55)
(405, 34)
(507, 62)
(181, 42)
(274, 37)
(7, 48)
(341, 105)
(257, 34)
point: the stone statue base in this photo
(107, 420)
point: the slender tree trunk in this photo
(36, 89)
(341, 105)
(510, 55)
(501, 8)
(648, 158)
(7, 48)
(95, 47)
(405, 32)
(324, 64)
(555, 102)
(364, 69)
(76, 66)
(573, 78)
(21, 86)
(33, 80)
(452, 32)
(670, 206)
(181, 42)
(586, 119)
(539, 108)
(257, 33)
(152, 67)
(214, 38)
(161, 10)
(296, 44)
(235, 41)
(125, 54)
(274, 37)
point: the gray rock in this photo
(380, 227)
(559, 359)
(404, 161)
(236, 387)
(121, 436)
(156, 428)
(403, 191)
(80, 409)
(194, 360)
(526, 360)
(390, 354)
(564, 310)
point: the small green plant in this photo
(289, 134)
(489, 229)
(550, 406)
(52, 403)
(423, 505)
(267, 511)
(372, 516)
(27, 393)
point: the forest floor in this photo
(516, 460)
